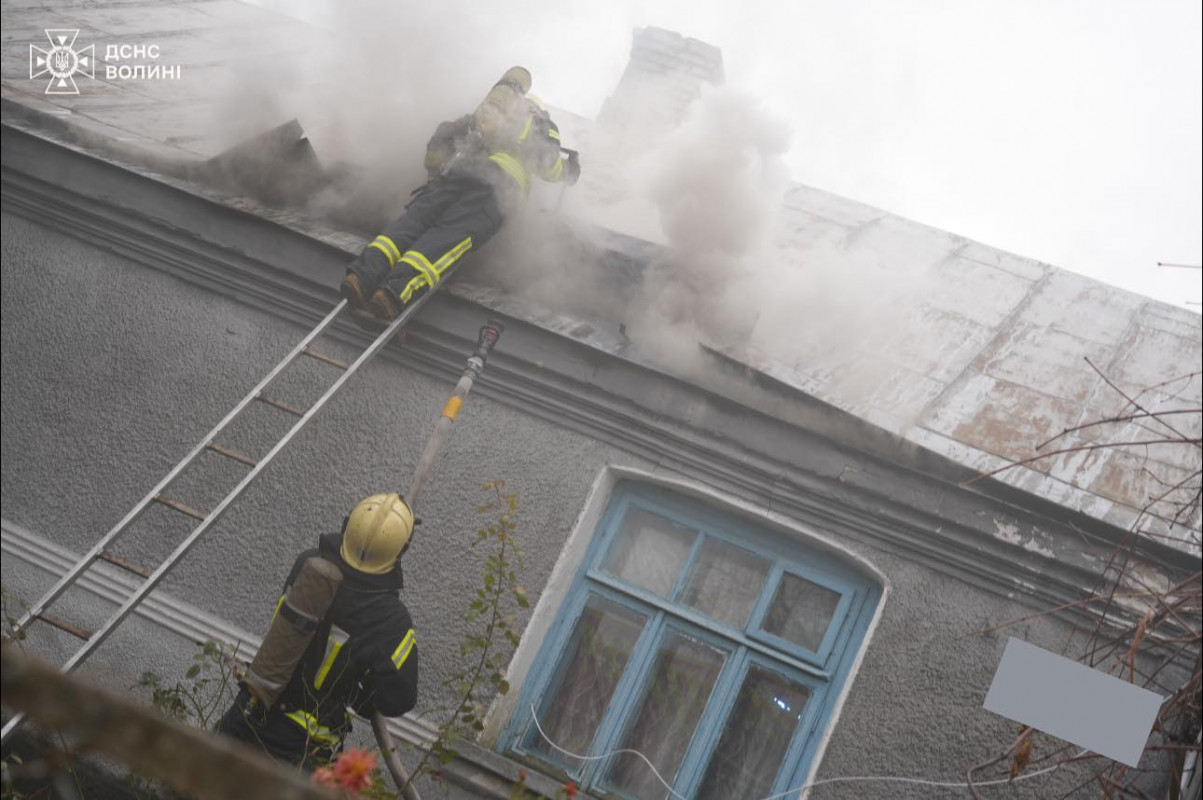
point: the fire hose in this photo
(486, 339)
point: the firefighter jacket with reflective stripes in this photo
(507, 136)
(363, 654)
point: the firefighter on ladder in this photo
(480, 167)
(357, 652)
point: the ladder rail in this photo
(182, 549)
(134, 513)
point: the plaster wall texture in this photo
(112, 371)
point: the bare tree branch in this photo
(1131, 619)
(1076, 449)
(1115, 420)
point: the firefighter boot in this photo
(383, 308)
(352, 290)
(384, 304)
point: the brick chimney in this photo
(665, 74)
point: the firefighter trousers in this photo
(291, 737)
(450, 216)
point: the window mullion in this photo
(630, 690)
(756, 618)
(710, 726)
(687, 566)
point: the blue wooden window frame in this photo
(823, 671)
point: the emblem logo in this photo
(62, 62)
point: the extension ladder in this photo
(206, 519)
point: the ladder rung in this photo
(129, 566)
(63, 625)
(309, 351)
(234, 454)
(280, 404)
(176, 505)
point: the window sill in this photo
(493, 776)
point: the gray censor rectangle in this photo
(1069, 700)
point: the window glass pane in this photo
(592, 663)
(648, 551)
(683, 675)
(754, 740)
(725, 581)
(801, 611)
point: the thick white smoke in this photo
(717, 183)
(369, 81)
(706, 187)
(375, 79)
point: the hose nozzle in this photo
(489, 334)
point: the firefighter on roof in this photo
(480, 165)
(340, 637)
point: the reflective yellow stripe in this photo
(421, 264)
(512, 168)
(525, 129)
(430, 274)
(403, 650)
(390, 244)
(276, 610)
(423, 260)
(416, 283)
(331, 654)
(315, 730)
(338, 637)
(555, 172)
(552, 133)
(392, 262)
(450, 257)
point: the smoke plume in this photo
(376, 78)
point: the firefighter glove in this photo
(572, 167)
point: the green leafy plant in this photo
(208, 686)
(493, 632)
(7, 601)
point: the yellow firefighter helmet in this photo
(377, 532)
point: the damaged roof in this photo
(974, 353)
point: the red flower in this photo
(324, 777)
(570, 789)
(523, 775)
(353, 769)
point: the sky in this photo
(1068, 131)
